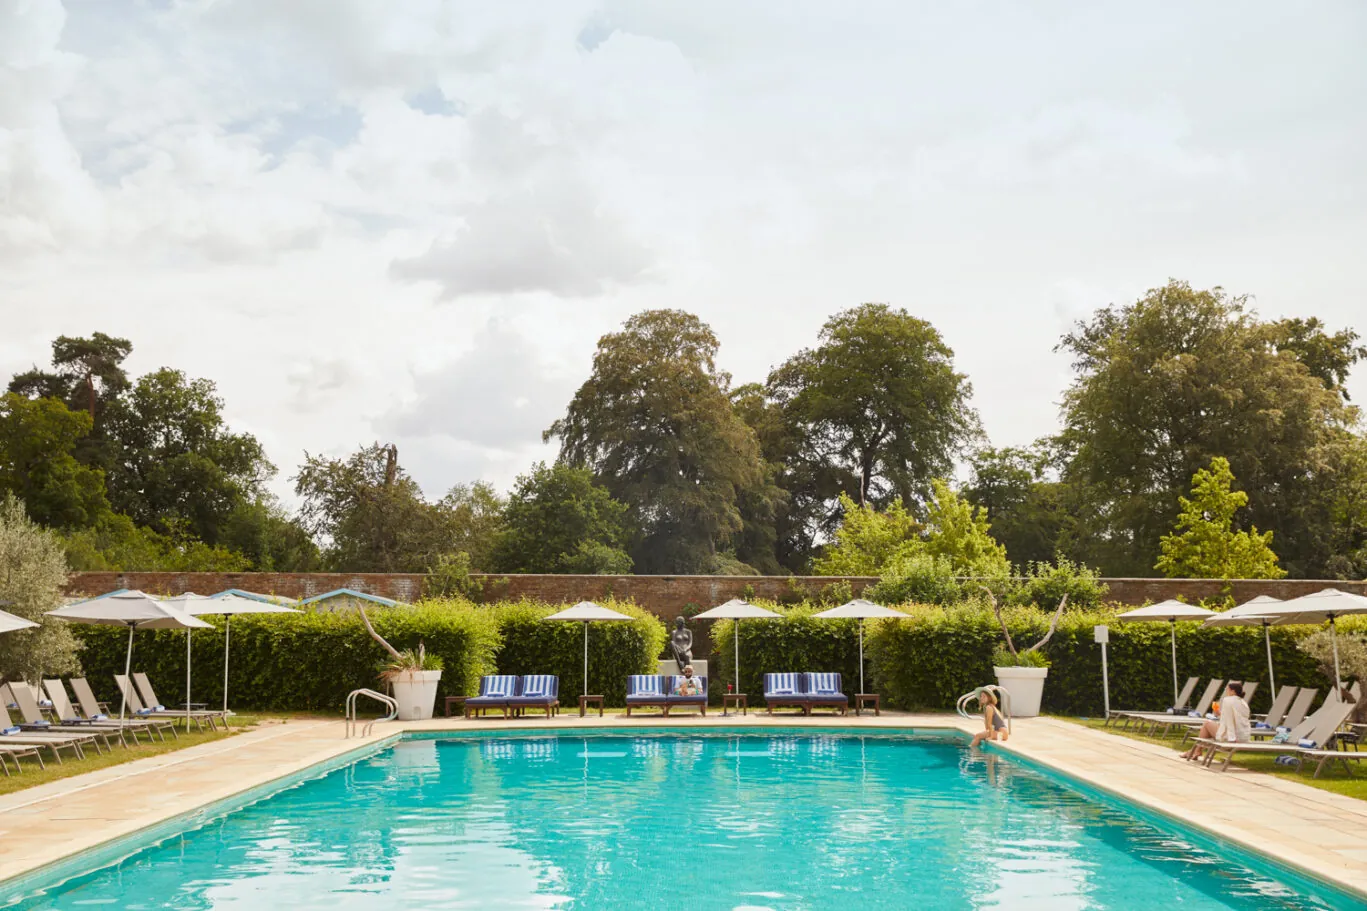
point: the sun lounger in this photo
(93, 708)
(496, 691)
(67, 715)
(675, 700)
(785, 690)
(134, 708)
(1182, 698)
(647, 691)
(34, 721)
(17, 751)
(1295, 716)
(195, 712)
(1196, 715)
(54, 741)
(1277, 712)
(1313, 734)
(537, 691)
(824, 690)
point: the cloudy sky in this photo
(411, 221)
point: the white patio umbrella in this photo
(1169, 612)
(1327, 604)
(232, 602)
(184, 602)
(10, 623)
(586, 612)
(1252, 613)
(133, 609)
(737, 610)
(860, 610)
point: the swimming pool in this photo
(697, 820)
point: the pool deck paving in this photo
(1316, 831)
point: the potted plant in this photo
(1022, 673)
(412, 675)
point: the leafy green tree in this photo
(270, 539)
(878, 400)
(559, 521)
(115, 544)
(177, 460)
(868, 539)
(917, 577)
(472, 516)
(87, 375)
(958, 532)
(37, 440)
(1204, 544)
(655, 426)
(1028, 511)
(1180, 376)
(32, 573)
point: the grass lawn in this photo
(32, 775)
(1332, 779)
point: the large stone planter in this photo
(1025, 685)
(416, 693)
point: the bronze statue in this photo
(681, 644)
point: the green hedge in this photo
(939, 653)
(533, 646)
(310, 661)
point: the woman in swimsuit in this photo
(994, 722)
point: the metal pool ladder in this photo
(352, 723)
(1003, 699)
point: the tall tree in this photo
(1180, 376)
(87, 375)
(270, 539)
(1025, 505)
(878, 400)
(559, 521)
(177, 462)
(1205, 545)
(32, 573)
(473, 517)
(655, 426)
(37, 440)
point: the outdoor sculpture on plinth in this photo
(681, 644)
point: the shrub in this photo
(533, 646)
(1004, 657)
(32, 572)
(1045, 584)
(300, 662)
(917, 577)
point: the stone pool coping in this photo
(1312, 831)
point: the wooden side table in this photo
(585, 701)
(457, 701)
(865, 699)
(738, 700)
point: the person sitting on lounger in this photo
(994, 722)
(689, 685)
(1233, 725)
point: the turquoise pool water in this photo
(688, 821)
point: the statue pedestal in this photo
(671, 667)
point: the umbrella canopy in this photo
(1168, 612)
(133, 609)
(1251, 613)
(586, 612)
(860, 610)
(1326, 604)
(737, 610)
(9, 622)
(232, 602)
(255, 596)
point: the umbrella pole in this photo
(586, 657)
(1333, 637)
(735, 649)
(861, 654)
(1173, 626)
(187, 680)
(227, 632)
(127, 673)
(1271, 677)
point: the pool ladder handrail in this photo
(352, 722)
(1003, 699)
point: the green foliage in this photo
(559, 521)
(917, 577)
(879, 400)
(1352, 654)
(1205, 544)
(1004, 657)
(1027, 510)
(450, 578)
(957, 532)
(1179, 377)
(532, 645)
(1045, 584)
(115, 543)
(32, 573)
(868, 539)
(471, 517)
(410, 659)
(37, 440)
(306, 661)
(269, 539)
(654, 425)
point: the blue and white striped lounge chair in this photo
(674, 700)
(785, 689)
(647, 690)
(538, 691)
(824, 689)
(495, 692)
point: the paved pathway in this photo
(1312, 829)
